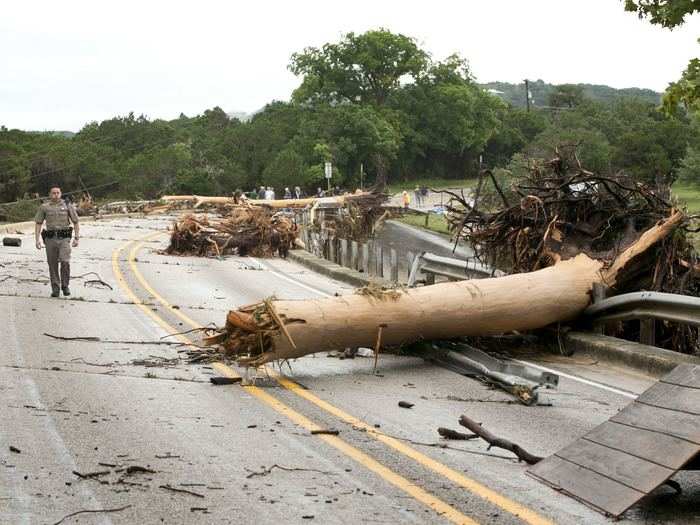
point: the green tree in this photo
(670, 14)
(684, 92)
(689, 171)
(517, 127)
(667, 13)
(286, 170)
(364, 68)
(566, 96)
(450, 119)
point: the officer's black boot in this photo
(65, 277)
(55, 292)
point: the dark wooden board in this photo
(602, 493)
(679, 424)
(684, 375)
(673, 397)
(632, 471)
(665, 450)
(620, 461)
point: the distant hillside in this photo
(540, 90)
(67, 134)
(240, 115)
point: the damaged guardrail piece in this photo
(521, 381)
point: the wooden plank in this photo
(673, 397)
(684, 375)
(624, 468)
(659, 448)
(593, 489)
(679, 424)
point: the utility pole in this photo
(527, 95)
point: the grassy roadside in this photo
(689, 195)
(410, 185)
(436, 223)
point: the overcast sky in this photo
(63, 64)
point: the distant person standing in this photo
(287, 193)
(298, 194)
(417, 195)
(58, 216)
(405, 199)
(319, 192)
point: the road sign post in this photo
(328, 170)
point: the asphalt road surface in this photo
(122, 430)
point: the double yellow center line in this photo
(442, 508)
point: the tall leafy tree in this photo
(670, 14)
(364, 68)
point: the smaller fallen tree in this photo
(244, 231)
(359, 198)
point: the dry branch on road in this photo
(498, 442)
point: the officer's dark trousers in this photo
(58, 252)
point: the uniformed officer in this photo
(58, 216)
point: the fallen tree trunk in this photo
(279, 329)
(277, 203)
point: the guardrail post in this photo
(353, 255)
(364, 259)
(598, 293)
(409, 257)
(343, 251)
(379, 259)
(394, 261)
(331, 249)
(647, 332)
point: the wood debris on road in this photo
(244, 231)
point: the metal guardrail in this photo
(647, 307)
(454, 269)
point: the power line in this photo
(63, 194)
(71, 165)
(76, 137)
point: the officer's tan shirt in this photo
(57, 216)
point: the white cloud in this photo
(64, 64)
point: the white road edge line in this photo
(588, 382)
(624, 393)
(287, 278)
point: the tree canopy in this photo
(373, 102)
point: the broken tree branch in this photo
(448, 433)
(183, 491)
(498, 442)
(96, 511)
(268, 470)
